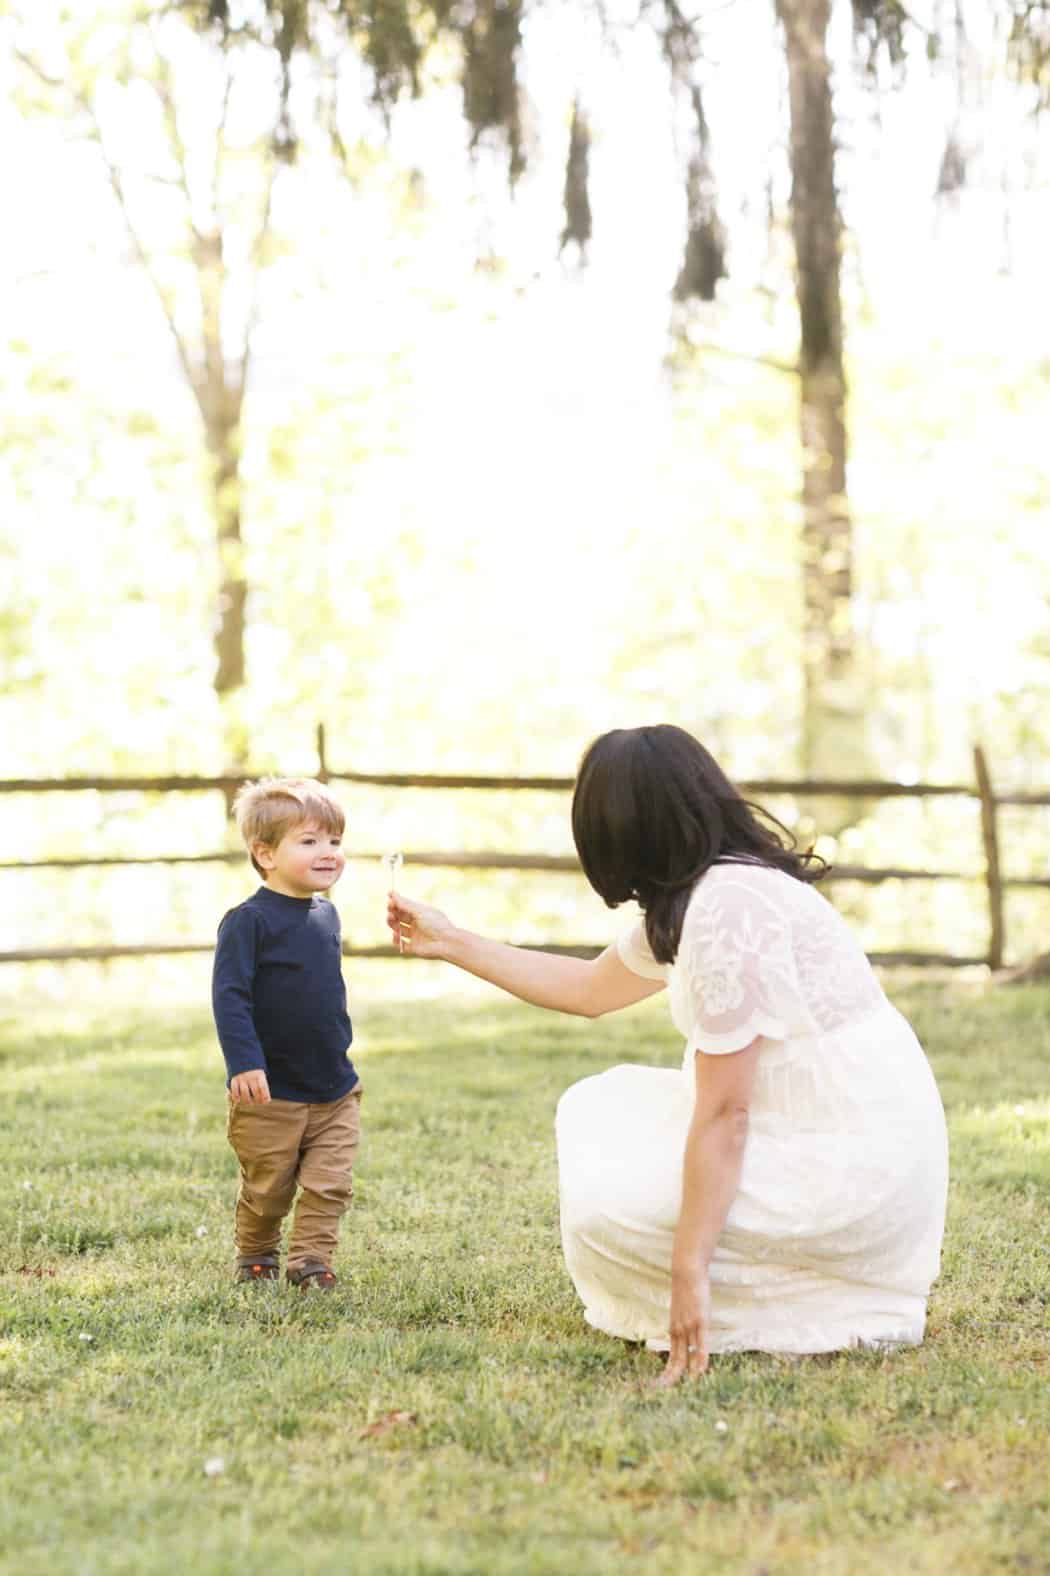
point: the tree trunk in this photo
(832, 740)
(223, 439)
(222, 434)
(220, 396)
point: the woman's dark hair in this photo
(652, 811)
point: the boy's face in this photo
(305, 861)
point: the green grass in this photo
(534, 1445)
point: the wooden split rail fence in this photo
(981, 789)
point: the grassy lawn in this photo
(529, 1444)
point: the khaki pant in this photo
(285, 1144)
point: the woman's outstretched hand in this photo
(418, 928)
(690, 1313)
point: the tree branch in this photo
(262, 236)
(787, 367)
(199, 242)
(116, 182)
(38, 71)
(220, 139)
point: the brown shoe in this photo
(313, 1277)
(258, 1270)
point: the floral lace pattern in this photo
(760, 954)
(736, 967)
(835, 978)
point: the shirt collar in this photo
(282, 900)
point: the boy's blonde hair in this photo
(268, 810)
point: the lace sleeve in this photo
(736, 958)
(636, 954)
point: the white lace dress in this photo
(834, 1236)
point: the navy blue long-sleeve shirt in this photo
(279, 998)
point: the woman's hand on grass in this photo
(418, 928)
(690, 1314)
(252, 1088)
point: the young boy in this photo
(280, 1010)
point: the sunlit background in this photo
(495, 496)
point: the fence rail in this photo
(104, 954)
(990, 801)
(815, 788)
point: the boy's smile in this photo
(306, 860)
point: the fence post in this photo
(322, 763)
(993, 874)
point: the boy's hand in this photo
(251, 1086)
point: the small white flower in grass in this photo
(27, 1187)
(1019, 1110)
(85, 1337)
(215, 1466)
(721, 1427)
(202, 1231)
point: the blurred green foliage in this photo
(483, 520)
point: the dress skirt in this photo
(834, 1236)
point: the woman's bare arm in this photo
(574, 985)
(714, 1155)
